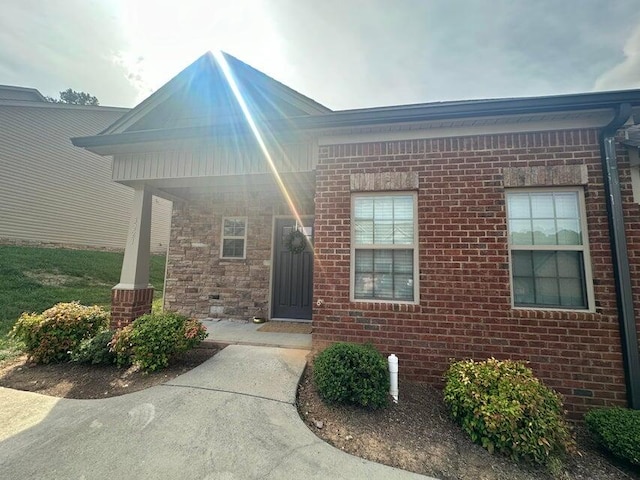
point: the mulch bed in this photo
(416, 434)
(75, 380)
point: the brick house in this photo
(506, 228)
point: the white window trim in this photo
(231, 237)
(584, 248)
(414, 246)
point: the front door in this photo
(292, 270)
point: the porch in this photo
(216, 141)
(239, 332)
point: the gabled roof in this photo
(199, 100)
(10, 92)
(200, 95)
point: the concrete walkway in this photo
(233, 417)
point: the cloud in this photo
(62, 44)
(626, 74)
(369, 53)
(351, 54)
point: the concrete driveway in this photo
(233, 417)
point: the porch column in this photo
(132, 297)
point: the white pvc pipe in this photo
(393, 377)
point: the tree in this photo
(74, 98)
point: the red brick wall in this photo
(465, 305)
(127, 305)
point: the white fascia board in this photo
(466, 127)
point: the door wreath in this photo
(296, 242)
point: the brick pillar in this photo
(127, 305)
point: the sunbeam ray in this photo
(228, 73)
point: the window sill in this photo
(382, 302)
(551, 309)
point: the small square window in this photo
(234, 237)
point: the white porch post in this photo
(133, 296)
(135, 266)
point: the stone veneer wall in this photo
(200, 284)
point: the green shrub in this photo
(51, 335)
(95, 350)
(504, 408)
(618, 430)
(151, 340)
(122, 346)
(353, 374)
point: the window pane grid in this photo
(234, 232)
(547, 249)
(233, 248)
(550, 218)
(551, 279)
(383, 220)
(234, 228)
(384, 274)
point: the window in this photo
(550, 265)
(234, 237)
(384, 252)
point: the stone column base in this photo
(127, 305)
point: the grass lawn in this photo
(34, 279)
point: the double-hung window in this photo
(384, 247)
(550, 266)
(234, 237)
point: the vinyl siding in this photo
(216, 160)
(53, 192)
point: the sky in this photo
(342, 53)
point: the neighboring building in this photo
(504, 228)
(54, 194)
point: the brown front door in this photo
(292, 272)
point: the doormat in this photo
(286, 327)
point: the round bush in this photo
(353, 374)
(504, 408)
(52, 335)
(618, 430)
(151, 340)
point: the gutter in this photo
(469, 109)
(622, 274)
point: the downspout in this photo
(621, 272)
